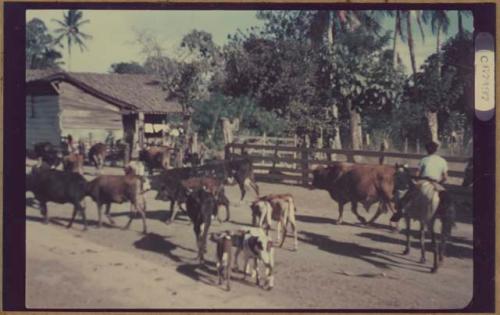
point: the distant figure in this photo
(70, 145)
(81, 147)
(228, 127)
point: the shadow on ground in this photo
(452, 250)
(374, 256)
(159, 244)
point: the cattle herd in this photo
(199, 191)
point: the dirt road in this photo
(345, 266)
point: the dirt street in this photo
(347, 266)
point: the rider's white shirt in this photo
(433, 166)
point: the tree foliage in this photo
(128, 67)
(40, 50)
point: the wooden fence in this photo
(292, 165)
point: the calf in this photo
(97, 155)
(60, 187)
(355, 183)
(212, 185)
(200, 206)
(223, 256)
(255, 245)
(156, 157)
(107, 189)
(73, 163)
(280, 208)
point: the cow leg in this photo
(241, 183)
(43, 209)
(173, 211)
(228, 275)
(108, 209)
(283, 235)
(75, 210)
(380, 209)
(435, 248)
(84, 217)
(407, 248)
(422, 242)
(131, 216)
(143, 217)
(354, 207)
(197, 234)
(246, 267)
(236, 254)
(99, 214)
(341, 213)
(206, 227)
(218, 265)
(256, 271)
(293, 223)
(253, 185)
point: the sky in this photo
(113, 33)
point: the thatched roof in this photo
(135, 92)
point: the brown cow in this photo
(107, 189)
(211, 185)
(73, 163)
(97, 154)
(156, 157)
(364, 183)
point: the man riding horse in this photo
(433, 169)
(423, 198)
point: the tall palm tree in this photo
(411, 47)
(439, 22)
(460, 24)
(70, 30)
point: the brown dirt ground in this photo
(347, 266)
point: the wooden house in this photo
(89, 106)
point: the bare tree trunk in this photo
(410, 43)
(437, 39)
(432, 121)
(395, 40)
(337, 144)
(460, 25)
(355, 126)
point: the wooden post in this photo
(140, 125)
(418, 145)
(382, 156)
(406, 145)
(305, 165)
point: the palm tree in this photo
(407, 16)
(70, 30)
(439, 22)
(460, 25)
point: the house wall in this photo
(42, 119)
(83, 114)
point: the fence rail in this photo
(297, 169)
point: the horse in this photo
(426, 201)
